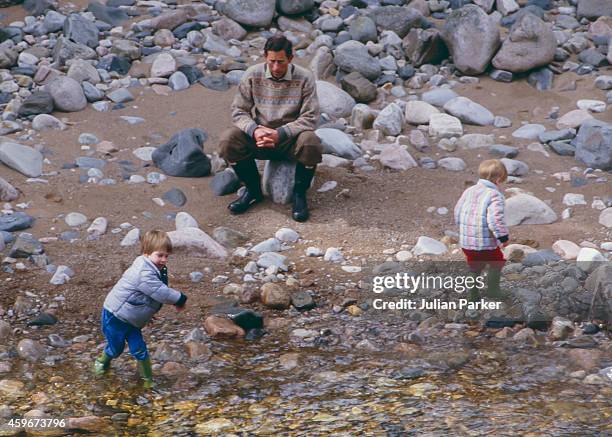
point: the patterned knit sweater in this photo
(480, 216)
(289, 104)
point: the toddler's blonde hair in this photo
(155, 241)
(493, 170)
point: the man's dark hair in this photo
(277, 43)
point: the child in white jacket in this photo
(133, 301)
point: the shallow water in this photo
(479, 387)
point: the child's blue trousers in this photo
(117, 332)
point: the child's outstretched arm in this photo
(152, 286)
(496, 220)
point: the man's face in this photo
(278, 63)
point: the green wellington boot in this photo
(146, 373)
(101, 364)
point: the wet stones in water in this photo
(215, 81)
(175, 197)
(44, 319)
(408, 373)
(590, 329)
(247, 319)
(302, 301)
(16, 222)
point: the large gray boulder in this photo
(294, 7)
(399, 19)
(354, 56)
(183, 155)
(24, 159)
(424, 46)
(524, 209)
(472, 38)
(253, 13)
(334, 101)
(594, 8)
(67, 94)
(81, 30)
(530, 44)
(594, 144)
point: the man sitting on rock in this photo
(275, 112)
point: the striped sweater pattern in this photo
(480, 216)
(289, 105)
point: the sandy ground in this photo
(383, 209)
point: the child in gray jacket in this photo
(137, 296)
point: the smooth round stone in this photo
(75, 219)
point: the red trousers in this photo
(477, 260)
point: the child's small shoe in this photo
(146, 373)
(101, 364)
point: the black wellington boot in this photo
(303, 179)
(247, 172)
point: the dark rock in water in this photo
(175, 197)
(44, 319)
(26, 245)
(590, 329)
(408, 373)
(192, 73)
(38, 7)
(582, 342)
(541, 80)
(501, 75)
(39, 102)
(181, 31)
(406, 72)
(183, 155)
(302, 301)
(215, 81)
(224, 182)
(247, 319)
(254, 334)
(562, 148)
(110, 15)
(16, 222)
(540, 257)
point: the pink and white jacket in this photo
(480, 216)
